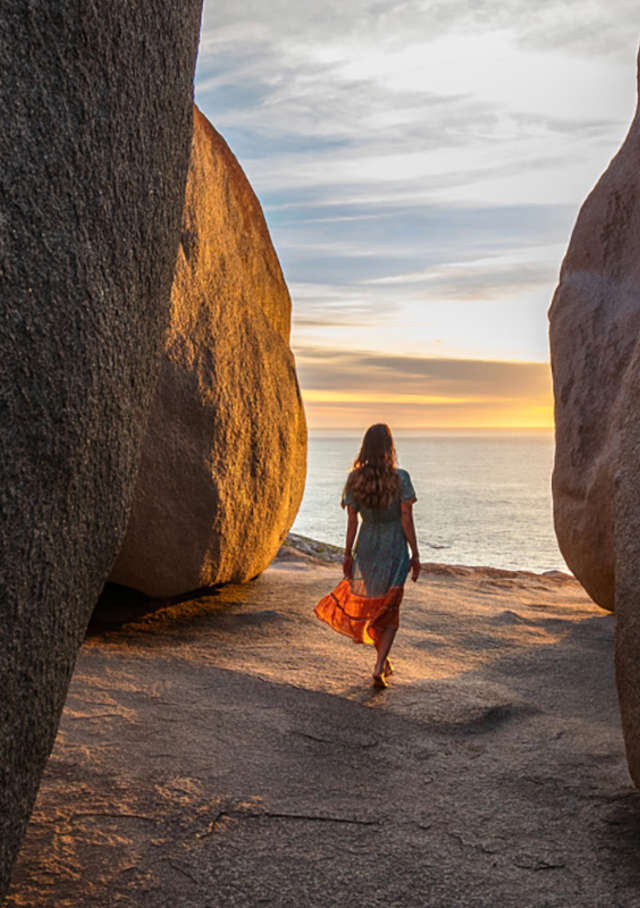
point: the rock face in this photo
(93, 159)
(223, 465)
(595, 320)
(595, 325)
(627, 540)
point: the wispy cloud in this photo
(483, 279)
(584, 27)
(375, 372)
(420, 164)
(408, 101)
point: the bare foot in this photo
(388, 668)
(380, 681)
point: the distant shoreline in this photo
(449, 431)
(315, 550)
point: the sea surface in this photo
(484, 497)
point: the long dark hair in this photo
(373, 480)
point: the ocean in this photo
(484, 497)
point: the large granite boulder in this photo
(594, 322)
(595, 348)
(94, 149)
(223, 464)
(627, 474)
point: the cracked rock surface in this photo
(229, 750)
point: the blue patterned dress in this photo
(363, 606)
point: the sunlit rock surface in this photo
(595, 321)
(223, 464)
(94, 152)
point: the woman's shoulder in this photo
(348, 497)
(351, 478)
(407, 492)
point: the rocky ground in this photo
(228, 749)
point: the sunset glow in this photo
(357, 417)
(352, 411)
(381, 397)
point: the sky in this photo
(421, 165)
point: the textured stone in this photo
(595, 325)
(244, 758)
(627, 539)
(595, 320)
(223, 464)
(96, 100)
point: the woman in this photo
(365, 605)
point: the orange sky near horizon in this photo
(334, 414)
(351, 391)
(330, 415)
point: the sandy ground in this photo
(229, 750)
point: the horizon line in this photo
(527, 428)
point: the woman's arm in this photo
(352, 526)
(409, 531)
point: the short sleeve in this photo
(407, 492)
(347, 499)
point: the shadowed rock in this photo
(223, 464)
(595, 323)
(628, 573)
(93, 159)
(595, 320)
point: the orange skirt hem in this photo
(363, 618)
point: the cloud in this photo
(595, 28)
(485, 279)
(322, 369)
(343, 388)
(387, 76)
(456, 252)
(579, 25)
(324, 305)
(406, 101)
(408, 174)
(417, 157)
